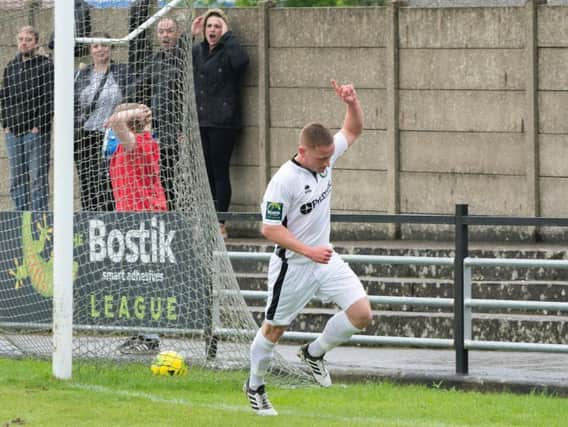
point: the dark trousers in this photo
(218, 147)
(94, 179)
(169, 157)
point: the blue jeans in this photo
(28, 157)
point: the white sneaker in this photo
(141, 344)
(258, 400)
(316, 366)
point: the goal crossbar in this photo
(132, 35)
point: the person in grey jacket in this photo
(219, 63)
(26, 101)
(99, 88)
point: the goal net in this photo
(148, 276)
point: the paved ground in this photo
(488, 370)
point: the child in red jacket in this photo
(134, 160)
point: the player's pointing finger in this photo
(335, 86)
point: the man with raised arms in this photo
(296, 217)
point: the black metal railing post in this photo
(461, 242)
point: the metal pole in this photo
(63, 191)
(467, 311)
(461, 242)
(392, 110)
(131, 36)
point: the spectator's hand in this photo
(7, 130)
(320, 254)
(35, 130)
(143, 112)
(197, 25)
(345, 92)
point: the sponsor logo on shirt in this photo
(306, 208)
(274, 210)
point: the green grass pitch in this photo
(129, 395)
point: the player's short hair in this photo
(30, 30)
(314, 134)
(135, 125)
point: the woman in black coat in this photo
(219, 62)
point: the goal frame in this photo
(63, 219)
(64, 21)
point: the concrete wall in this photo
(462, 105)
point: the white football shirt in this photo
(300, 200)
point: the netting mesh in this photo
(144, 281)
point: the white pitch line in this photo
(158, 399)
(244, 409)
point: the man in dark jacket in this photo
(161, 86)
(26, 100)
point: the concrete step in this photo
(434, 288)
(537, 284)
(433, 250)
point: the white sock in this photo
(337, 330)
(261, 353)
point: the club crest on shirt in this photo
(307, 189)
(274, 210)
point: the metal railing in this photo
(470, 303)
(463, 303)
(373, 299)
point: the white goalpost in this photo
(93, 282)
(64, 36)
(63, 191)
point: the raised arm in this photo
(118, 122)
(197, 26)
(353, 122)
(237, 55)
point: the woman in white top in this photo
(99, 88)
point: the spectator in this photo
(160, 85)
(134, 160)
(99, 89)
(27, 110)
(219, 62)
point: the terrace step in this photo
(536, 284)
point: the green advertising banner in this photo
(130, 270)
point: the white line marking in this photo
(245, 409)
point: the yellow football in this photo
(169, 363)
